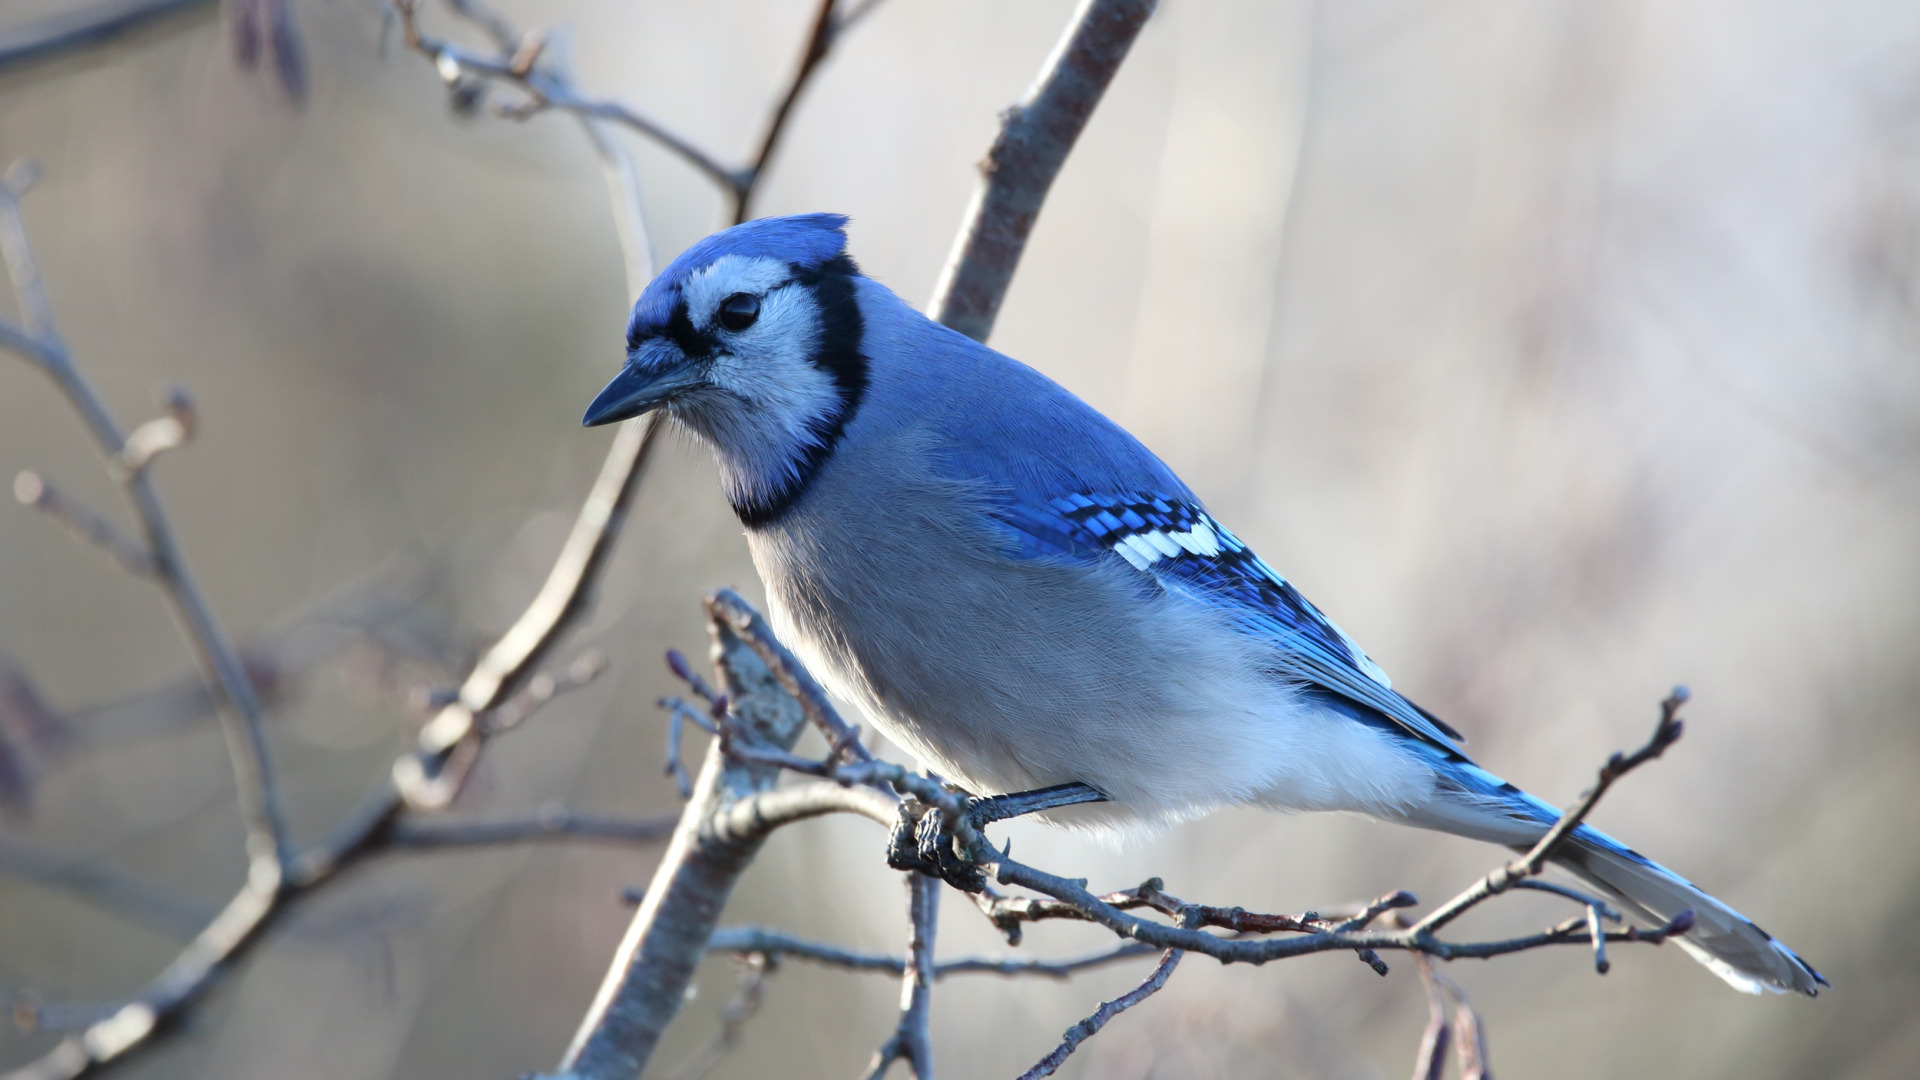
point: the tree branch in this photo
(911, 1040)
(1035, 137)
(755, 939)
(1091, 1026)
(259, 793)
(427, 776)
(1666, 732)
(549, 823)
(96, 24)
(518, 65)
(647, 982)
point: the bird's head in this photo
(751, 338)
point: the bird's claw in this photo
(923, 841)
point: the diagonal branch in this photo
(1035, 137)
(1666, 732)
(1088, 1028)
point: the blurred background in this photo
(1561, 350)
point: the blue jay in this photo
(1017, 591)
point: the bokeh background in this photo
(1562, 350)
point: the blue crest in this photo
(806, 241)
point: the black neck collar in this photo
(839, 355)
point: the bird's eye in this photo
(738, 311)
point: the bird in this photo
(1018, 592)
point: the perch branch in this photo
(647, 980)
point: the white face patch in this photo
(705, 288)
(766, 400)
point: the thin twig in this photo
(1666, 732)
(546, 89)
(84, 522)
(820, 40)
(755, 939)
(1598, 933)
(1430, 1061)
(752, 627)
(1091, 1026)
(428, 776)
(756, 967)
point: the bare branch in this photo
(1091, 1026)
(429, 777)
(517, 65)
(95, 24)
(911, 1040)
(260, 799)
(1035, 137)
(545, 91)
(647, 981)
(755, 939)
(826, 29)
(1430, 1061)
(751, 818)
(725, 604)
(548, 823)
(1458, 1027)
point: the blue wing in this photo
(1176, 542)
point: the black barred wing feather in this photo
(1182, 546)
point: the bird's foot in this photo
(923, 841)
(923, 838)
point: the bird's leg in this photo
(983, 812)
(923, 837)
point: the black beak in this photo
(636, 390)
